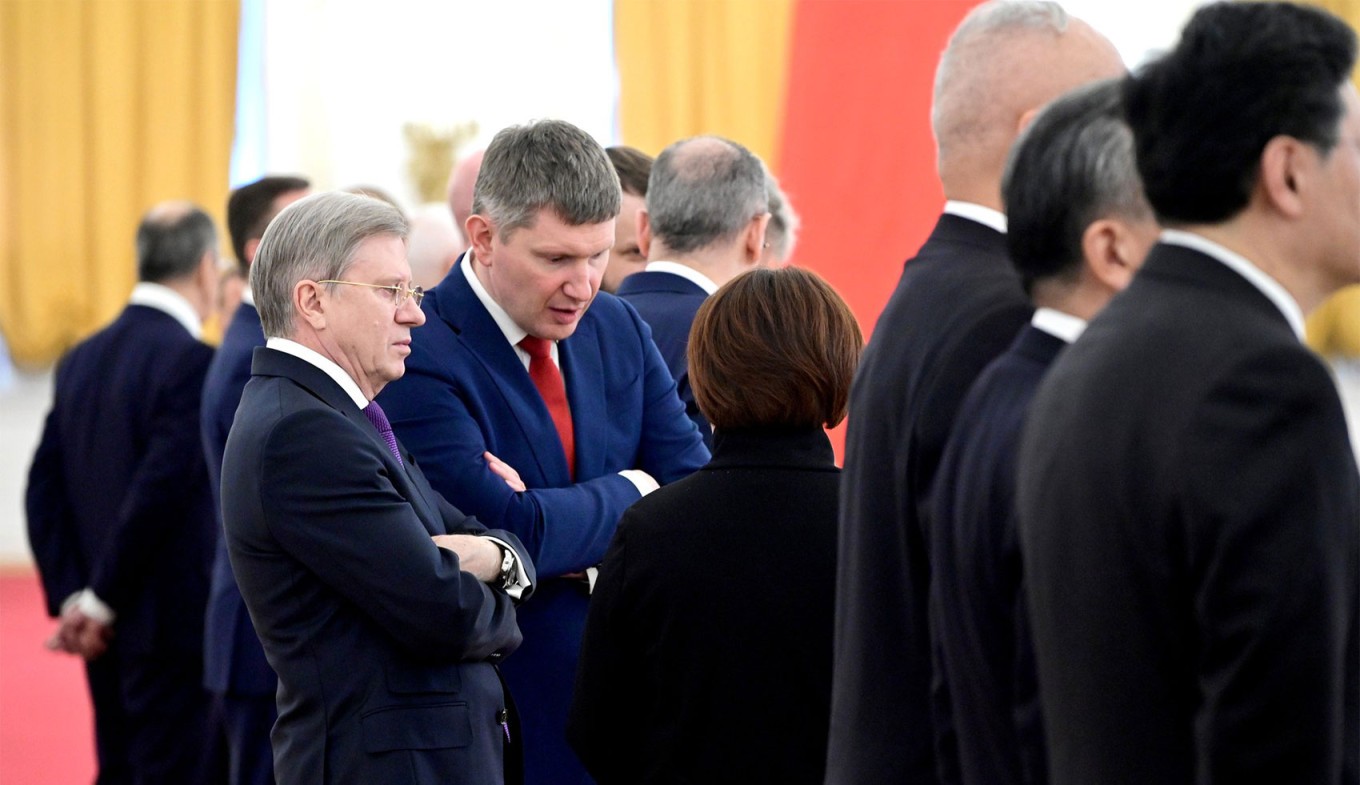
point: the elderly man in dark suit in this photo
(234, 666)
(677, 651)
(539, 403)
(1188, 498)
(704, 224)
(1078, 229)
(382, 608)
(119, 512)
(957, 306)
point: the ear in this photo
(1025, 119)
(1286, 164)
(206, 279)
(309, 304)
(644, 233)
(480, 233)
(1107, 248)
(753, 242)
(252, 245)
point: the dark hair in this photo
(633, 166)
(171, 241)
(1242, 74)
(1072, 165)
(549, 164)
(774, 348)
(250, 208)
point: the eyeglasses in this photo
(399, 292)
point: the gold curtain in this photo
(1334, 328)
(690, 67)
(106, 107)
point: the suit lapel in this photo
(483, 340)
(583, 372)
(268, 362)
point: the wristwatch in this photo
(508, 574)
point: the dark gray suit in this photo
(958, 305)
(385, 650)
(1190, 525)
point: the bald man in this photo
(957, 306)
(462, 181)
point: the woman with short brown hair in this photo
(707, 651)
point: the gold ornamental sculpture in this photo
(433, 152)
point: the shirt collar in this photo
(169, 302)
(1060, 325)
(247, 296)
(976, 212)
(1239, 264)
(688, 273)
(326, 364)
(512, 331)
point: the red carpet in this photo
(46, 727)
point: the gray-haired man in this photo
(704, 224)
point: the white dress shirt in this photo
(976, 212)
(513, 333)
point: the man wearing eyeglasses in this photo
(382, 608)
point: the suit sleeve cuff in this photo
(88, 603)
(521, 582)
(641, 480)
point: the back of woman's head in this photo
(774, 348)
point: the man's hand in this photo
(476, 555)
(504, 471)
(79, 634)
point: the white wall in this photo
(341, 78)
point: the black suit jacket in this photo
(233, 660)
(958, 305)
(118, 494)
(1190, 524)
(383, 648)
(979, 626)
(667, 303)
(707, 651)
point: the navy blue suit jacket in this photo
(466, 392)
(668, 303)
(985, 680)
(118, 495)
(233, 660)
(958, 305)
(385, 650)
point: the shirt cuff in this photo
(641, 480)
(592, 575)
(88, 603)
(522, 583)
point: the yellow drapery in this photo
(690, 67)
(106, 107)
(1334, 328)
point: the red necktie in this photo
(548, 380)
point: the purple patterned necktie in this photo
(375, 415)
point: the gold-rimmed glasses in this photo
(399, 292)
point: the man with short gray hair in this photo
(539, 403)
(703, 225)
(1079, 229)
(119, 511)
(382, 608)
(957, 306)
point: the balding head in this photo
(703, 191)
(462, 182)
(1006, 60)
